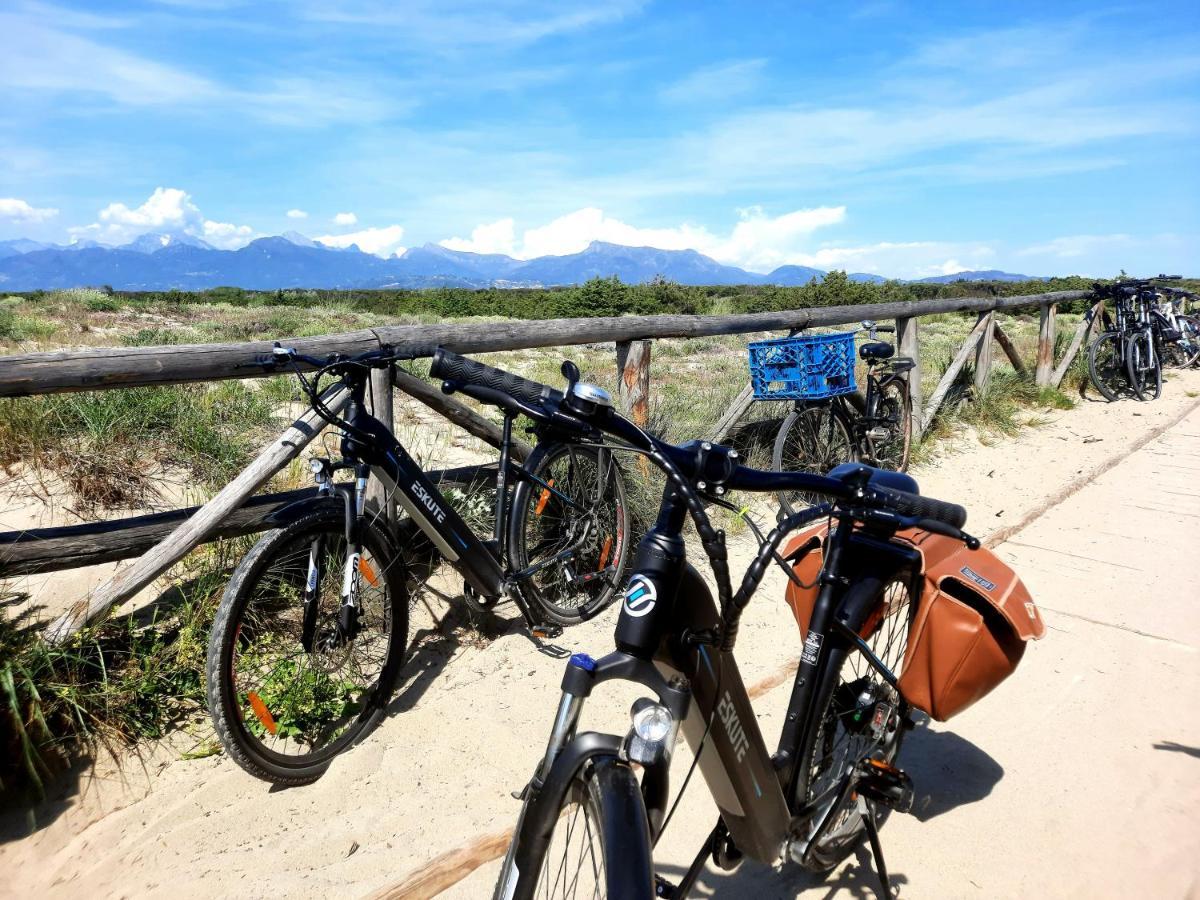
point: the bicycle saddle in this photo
(903, 364)
(884, 478)
(876, 350)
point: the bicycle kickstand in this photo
(867, 810)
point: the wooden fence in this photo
(161, 540)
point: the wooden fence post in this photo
(1009, 350)
(633, 380)
(1090, 319)
(983, 354)
(1045, 350)
(908, 344)
(162, 556)
(381, 409)
(951, 373)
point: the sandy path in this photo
(439, 774)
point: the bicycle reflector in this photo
(653, 733)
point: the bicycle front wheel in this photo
(294, 676)
(569, 530)
(1106, 365)
(813, 438)
(1143, 366)
(599, 848)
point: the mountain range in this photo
(156, 262)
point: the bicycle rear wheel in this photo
(813, 438)
(893, 417)
(1106, 366)
(569, 530)
(1143, 366)
(599, 847)
(863, 717)
(289, 684)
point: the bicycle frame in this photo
(751, 786)
(403, 479)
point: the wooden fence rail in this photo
(161, 539)
(115, 367)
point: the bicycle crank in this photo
(883, 783)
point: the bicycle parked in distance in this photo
(1179, 334)
(311, 633)
(1127, 358)
(589, 824)
(874, 427)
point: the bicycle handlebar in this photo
(688, 458)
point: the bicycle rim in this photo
(892, 414)
(813, 439)
(845, 735)
(297, 707)
(572, 529)
(1106, 366)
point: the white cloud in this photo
(1077, 245)
(19, 211)
(345, 218)
(379, 241)
(225, 236)
(168, 210)
(497, 237)
(715, 83)
(297, 214)
(757, 241)
(903, 259)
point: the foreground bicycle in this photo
(834, 423)
(588, 824)
(310, 635)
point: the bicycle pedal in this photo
(664, 888)
(882, 782)
(546, 632)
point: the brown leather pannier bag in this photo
(972, 620)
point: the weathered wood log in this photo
(908, 345)
(736, 410)
(1089, 322)
(1009, 349)
(381, 409)
(158, 559)
(83, 370)
(1045, 349)
(983, 354)
(633, 380)
(41, 550)
(951, 373)
(458, 413)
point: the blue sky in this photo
(901, 138)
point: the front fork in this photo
(353, 569)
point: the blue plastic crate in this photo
(805, 367)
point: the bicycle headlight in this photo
(652, 736)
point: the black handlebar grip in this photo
(451, 367)
(915, 505)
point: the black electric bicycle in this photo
(875, 426)
(310, 635)
(588, 824)
(1124, 359)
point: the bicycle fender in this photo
(540, 814)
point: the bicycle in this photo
(874, 427)
(310, 635)
(1178, 334)
(1124, 356)
(817, 795)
